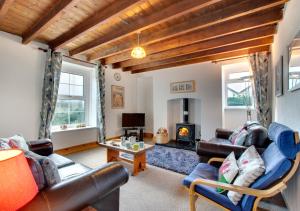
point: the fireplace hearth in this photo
(185, 136)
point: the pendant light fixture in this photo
(138, 52)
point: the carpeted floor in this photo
(155, 189)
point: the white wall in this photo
(286, 108)
(21, 81)
(145, 101)
(208, 90)
(113, 117)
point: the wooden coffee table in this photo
(138, 157)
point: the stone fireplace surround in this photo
(175, 115)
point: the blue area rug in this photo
(178, 160)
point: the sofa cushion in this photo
(228, 170)
(206, 171)
(276, 164)
(251, 166)
(257, 136)
(17, 141)
(60, 161)
(235, 134)
(240, 138)
(284, 137)
(71, 171)
(4, 145)
(49, 168)
(37, 171)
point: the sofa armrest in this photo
(222, 150)
(223, 133)
(41, 146)
(82, 191)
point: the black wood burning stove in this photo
(185, 132)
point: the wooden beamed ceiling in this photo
(173, 33)
(215, 17)
(177, 9)
(4, 6)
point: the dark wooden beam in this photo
(100, 17)
(46, 20)
(228, 48)
(204, 19)
(235, 54)
(4, 6)
(248, 35)
(175, 10)
(233, 26)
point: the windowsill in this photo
(238, 108)
(72, 129)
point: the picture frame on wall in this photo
(182, 87)
(117, 97)
(279, 77)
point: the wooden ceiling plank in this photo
(228, 55)
(175, 10)
(204, 45)
(46, 20)
(220, 50)
(99, 18)
(233, 26)
(4, 6)
(228, 13)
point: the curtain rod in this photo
(80, 60)
(69, 57)
(228, 59)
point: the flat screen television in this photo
(133, 120)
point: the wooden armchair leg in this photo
(193, 199)
(255, 205)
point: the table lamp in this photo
(17, 185)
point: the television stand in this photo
(134, 131)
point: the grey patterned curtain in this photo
(262, 89)
(100, 79)
(50, 91)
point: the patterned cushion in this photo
(206, 171)
(4, 145)
(50, 172)
(17, 141)
(49, 168)
(37, 171)
(251, 166)
(234, 134)
(240, 138)
(228, 170)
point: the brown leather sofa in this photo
(81, 186)
(220, 146)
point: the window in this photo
(75, 102)
(238, 88)
(70, 107)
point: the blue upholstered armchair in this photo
(281, 160)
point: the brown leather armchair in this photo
(220, 146)
(98, 188)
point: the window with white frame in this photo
(74, 98)
(238, 89)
